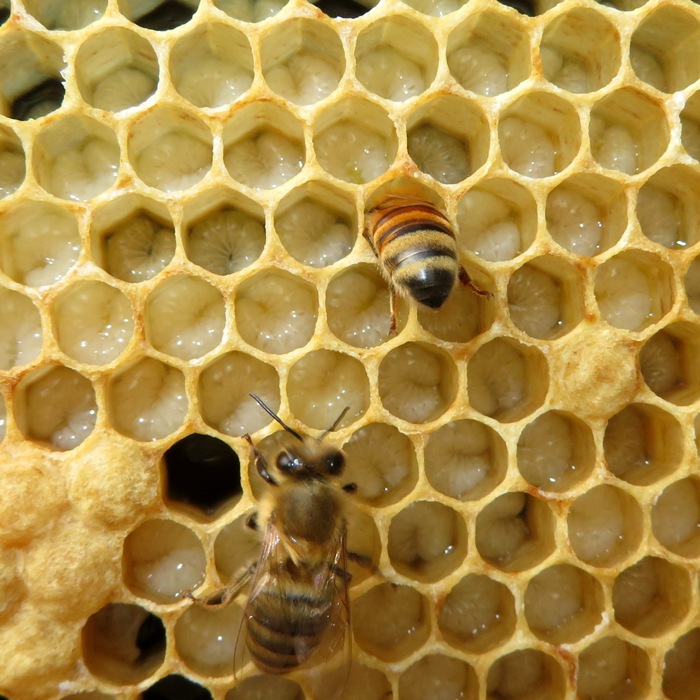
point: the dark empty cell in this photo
(176, 688)
(342, 8)
(41, 100)
(168, 15)
(150, 639)
(203, 472)
(524, 7)
(4, 16)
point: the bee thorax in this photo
(309, 513)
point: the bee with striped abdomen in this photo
(417, 252)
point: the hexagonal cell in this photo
(20, 329)
(580, 51)
(628, 131)
(563, 604)
(526, 673)
(396, 58)
(175, 686)
(546, 297)
(61, 15)
(477, 615)
(666, 208)
(317, 224)
(417, 382)
(223, 231)
(93, 322)
(670, 363)
(363, 682)
(439, 676)
(465, 459)
(235, 548)
(681, 670)
(363, 539)
(651, 597)
(515, 531)
(436, 8)
(76, 158)
(123, 643)
(675, 518)
(202, 476)
(507, 380)
(690, 124)
(12, 162)
(56, 407)
(276, 312)
(489, 53)
(496, 220)
(382, 462)
(447, 154)
(539, 134)
(266, 687)
(162, 561)
(427, 541)
(147, 400)
(223, 391)
(664, 47)
(184, 317)
(302, 60)
(133, 238)
(587, 214)
(322, 383)
(634, 290)
(355, 140)
(556, 451)
(32, 85)
(692, 285)
(116, 69)
(391, 621)
(212, 66)
(250, 10)
(170, 149)
(643, 444)
(159, 15)
(613, 668)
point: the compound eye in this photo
(335, 463)
(285, 462)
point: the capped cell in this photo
(66, 15)
(13, 166)
(526, 673)
(159, 15)
(20, 329)
(675, 518)
(439, 676)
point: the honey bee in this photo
(297, 609)
(417, 252)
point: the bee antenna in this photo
(335, 424)
(270, 412)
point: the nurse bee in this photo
(417, 252)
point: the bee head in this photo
(308, 461)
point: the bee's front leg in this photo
(223, 596)
(260, 463)
(393, 310)
(467, 281)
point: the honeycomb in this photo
(183, 187)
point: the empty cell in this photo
(417, 383)
(163, 561)
(563, 604)
(76, 158)
(212, 66)
(250, 10)
(465, 459)
(628, 131)
(539, 135)
(266, 687)
(507, 380)
(159, 15)
(439, 677)
(20, 330)
(175, 686)
(62, 15)
(396, 58)
(489, 53)
(276, 312)
(580, 51)
(515, 531)
(478, 614)
(202, 476)
(681, 671)
(170, 149)
(355, 140)
(526, 674)
(184, 317)
(634, 290)
(123, 643)
(675, 518)
(223, 391)
(322, 384)
(496, 220)
(302, 60)
(116, 69)
(382, 462)
(346, 9)
(690, 124)
(147, 400)
(612, 668)
(317, 224)
(545, 297)
(263, 146)
(556, 451)
(643, 443)
(651, 597)
(93, 322)
(12, 162)
(56, 407)
(391, 621)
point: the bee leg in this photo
(260, 463)
(222, 597)
(350, 488)
(364, 561)
(466, 280)
(393, 310)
